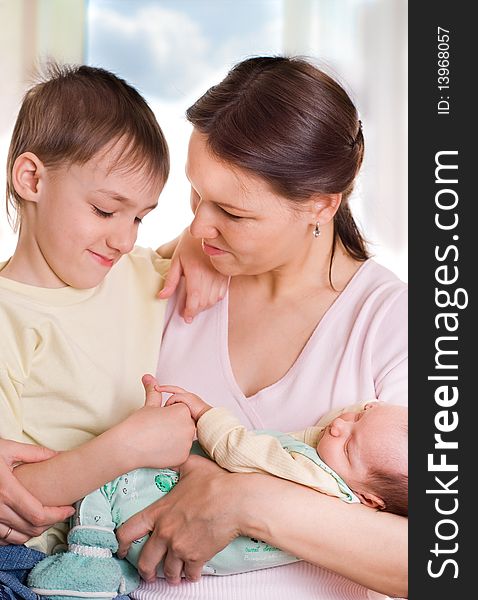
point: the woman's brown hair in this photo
(288, 122)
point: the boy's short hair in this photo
(75, 111)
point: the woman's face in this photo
(246, 228)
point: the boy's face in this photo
(356, 442)
(85, 219)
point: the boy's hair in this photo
(74, 112)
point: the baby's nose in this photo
(337, 427)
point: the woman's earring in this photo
(316, 231)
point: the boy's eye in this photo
(102, 213)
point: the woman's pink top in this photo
(357, 351)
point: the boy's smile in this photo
(82, 219)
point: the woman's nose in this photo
(202, 226)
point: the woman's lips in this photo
(103, 260)
(212, 250)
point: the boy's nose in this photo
(122, 241)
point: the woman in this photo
(309, 323)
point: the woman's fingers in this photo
(133, 529)
(8, 536)
(19, 509)
(17, 452)
(172, 279)
(150, 557)
(173, 568)
(192, 570)
(41, 519)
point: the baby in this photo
(359, 454)
(365, 448)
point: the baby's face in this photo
(356, 442)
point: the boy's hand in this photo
(204, 285)
(196, 405)
(156, 436)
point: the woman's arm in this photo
(20, 510)
(360, 543)
(209, 507)
(150, 437)
(204, 285)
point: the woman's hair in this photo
(74, 112)
(288, 122)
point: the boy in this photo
(79, 316)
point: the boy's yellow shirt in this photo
(71, 361)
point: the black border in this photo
(429, 133)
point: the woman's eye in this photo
(230, 215)
(102, 213)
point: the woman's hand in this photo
(22, 516)
(188, 526)
(204, 285)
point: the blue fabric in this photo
(15, 564)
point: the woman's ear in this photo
(371, 500)
(325, 206)
(27, 173)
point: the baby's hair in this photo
(392, 485)
(72, 113)
(392, 488)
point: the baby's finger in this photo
(173, 399)
(171, 389)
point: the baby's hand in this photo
(196, 405)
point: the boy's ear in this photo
(371, 500)
(27, 172)
(325, 206)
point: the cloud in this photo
(166, 53)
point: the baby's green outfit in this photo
(89, 568)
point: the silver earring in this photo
(316, 231)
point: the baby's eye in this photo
(102, 213)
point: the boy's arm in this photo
(151, 437)
(238, 450)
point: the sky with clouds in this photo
(169, 48)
